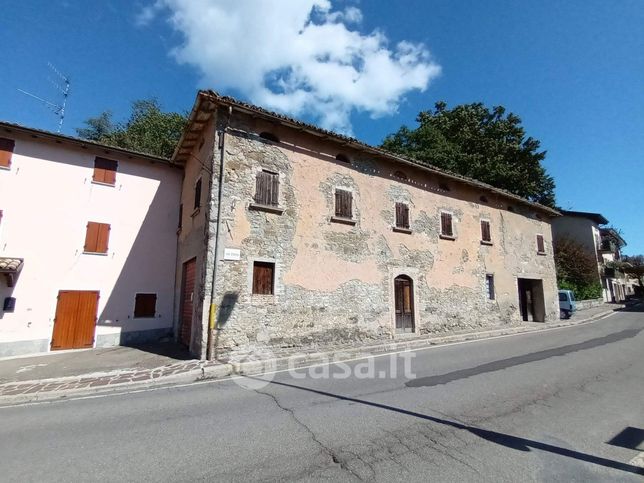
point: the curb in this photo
(213, 371)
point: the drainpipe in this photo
(213, 306)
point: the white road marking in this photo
(232, 378)
(638, 460)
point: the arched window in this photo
(404, 303)
(269, 136)
(511, 208)
(400, 175)
(342, 158)
(444, 186)
(483, 199)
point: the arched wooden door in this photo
(404, 304)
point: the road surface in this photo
(559, 405)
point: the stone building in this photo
(295, 236)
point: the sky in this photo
(573, 71)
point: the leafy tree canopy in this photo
(148, 130)
(480, 143)
(576, 269)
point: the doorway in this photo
(187, 300)
(75, 320)
(404, 304)
(531, 301)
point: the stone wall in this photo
(334, 282)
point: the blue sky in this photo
(573, 71)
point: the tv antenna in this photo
(61, 84)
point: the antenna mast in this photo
(57, 108)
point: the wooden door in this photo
(187, 300)
(75, 320)
(404, 304)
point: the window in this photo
(269, 136)
(486, 235)
(197, 194)
(343, 204)
(145, 305)
(511, 208)
(447, 228)
(263, 275)
(97, 237)
(342, 158)
(444, 186)
(402, 216)
(180, 225)
(6, 151)
(483, 199)
(105, 171)
(267, 185)
(541, 247)
(489, 286)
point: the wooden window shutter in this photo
(446, 225)
(197, 194)
(97, 237)
(6, 151)
(267, 188)
(485, 231)
(343, 203)
(105, 171)
(541, 248)
(145, 305)
(402, 215)
(263, 275)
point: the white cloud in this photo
(300, 57)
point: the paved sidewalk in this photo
(78, 373)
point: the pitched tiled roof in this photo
(207, 101)
(10, 265)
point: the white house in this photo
(87, 243)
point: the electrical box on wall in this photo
(9, 304)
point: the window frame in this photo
(146, 314)
(253, 282)
(95, 244)
(100, 174)
(489, 231)
(340, 217)
(8, 146)
(398, 226)
(490, 289)
(538, 237)
(444, 235)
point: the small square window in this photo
(145, 305)
(97, 236)
(105, 171)
(263, 278)
(489, 286)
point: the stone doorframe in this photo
(413, 274)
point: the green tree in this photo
(148, 130)
(480, 143)
(576, 269)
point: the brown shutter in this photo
(267, 188)
(485, 231)
(91, 237)
(105, 171)
(6, 151)
(275, 189)
(103, 238)
(343, 204)
(446, 224)
(540, 245)
(402, 215)
(263, 278)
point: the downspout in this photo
(213, 306)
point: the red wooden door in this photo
(187, 300)
(75, 320)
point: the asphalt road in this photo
(549, 406)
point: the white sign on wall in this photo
(232, 254)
